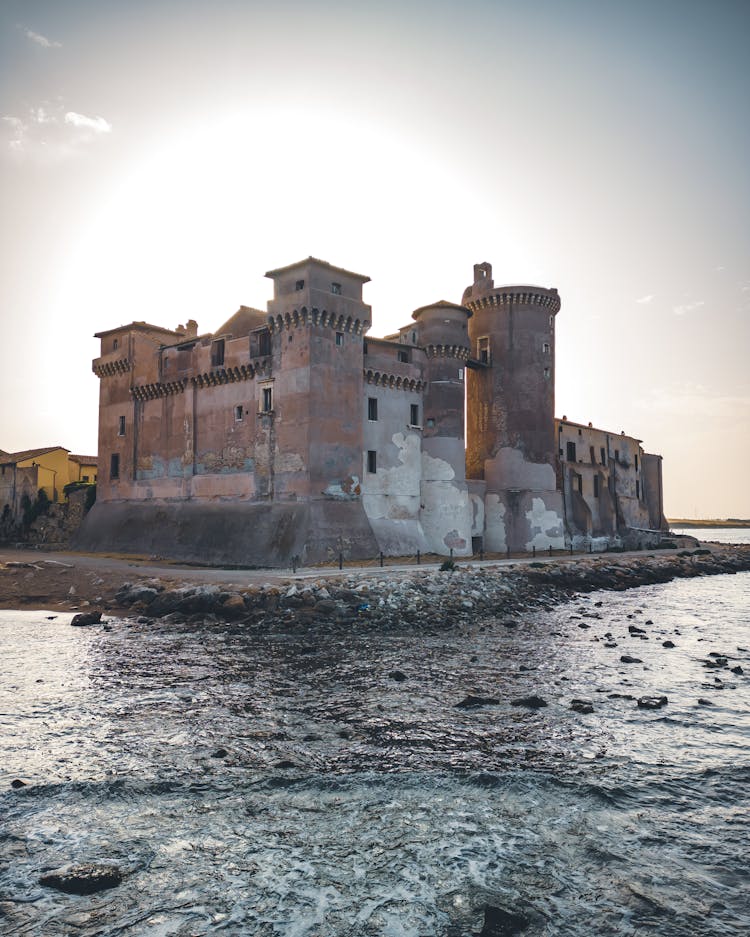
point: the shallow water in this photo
(353, 803)
(716, 534)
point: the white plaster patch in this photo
(446, 517)
(495, 536)
(436, 469)
(477, 510)
(547, 527)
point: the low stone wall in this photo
(434, 599)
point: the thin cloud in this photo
(685, 308)
(49, 132)
(95, 124)
(645, 299)
(40, 40)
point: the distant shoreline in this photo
(729, 524)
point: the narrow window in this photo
(238, 413)
(414, 338)
(546, 374)
(403, 355)
(460, 374)
(372, 408)
(483, 349)
(365, 349)
(414, 415)
(336, 288)
(561, 453)
(114, 465)
(115, 345)
(217, 353)
(603, 453)
(636, 463)
(339, 338)
(121, 426)
(266, 400)
(638, 489)
(596, 486)
(430, 422)
(591, 454)
(617, 455)
(545, 348)
(571, 451)
(579, 479)
(372, 461)
(264, 343)
(299, 285)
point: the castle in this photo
(292, 432)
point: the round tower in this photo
(445, 514)
(511, 402)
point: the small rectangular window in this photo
(591, 454)
(547, 374)
(638, 489)
(114, 465)
(460, 374)
(545, 348)
(299, 285)
(238, 413)
(115, 345)
(372, 408)
(636, 463)
(85, 478)
(414, 415)
(617, 455)
(483, 349)
(596, 486)
(571, 451)
(121, 426)
(336, 288)
(403, 355)
(372, 461)
(579, 480)
(603, 453)
(339, 338)
(266, 400)
(217, 353)
(365, 350)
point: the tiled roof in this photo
(84, 459)
(14, 457)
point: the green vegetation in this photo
(448, 566)
(715, 522)
(33, 509)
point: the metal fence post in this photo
(381, 559)
(418, 558)
(341, 560)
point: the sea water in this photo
(327, 784)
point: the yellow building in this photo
(49, 469)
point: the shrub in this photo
(447, 566)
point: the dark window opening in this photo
(414, 415)
(264, 343)
(115, 345)
(580, 432)
(430, 422)
(591, 454)
(365, 350)
(114, 465)
(336, 288)
(299, 285)
(571, 451)
(85, 478)
(483, 350)
(603, 453)
(617, 455)
(638, 489)
(403, 355)
(339, 338)
(414, 338)
(121, 426)
(636, 463)
(579, 481)
(561, 453)
(547, 373)
(217, 353)
(267, 399)
(596, 486)
(545, 348)
(372, 408)
(238, 413)
(372, 461)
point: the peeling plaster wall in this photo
(446, 510)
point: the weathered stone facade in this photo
(291, 432)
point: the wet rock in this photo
(652, 702)
(529, 702)
(610, 643)
(667, 644)
(738, 670)
(627, 659)
(130, 594)
(82, 879)
(634, 629)
(220, 753)
(468, 702)
(234, 606)
(702, 701)
(86, 618)
(501, 922)
(16, 783)
(583, 706)
(397, 675)
(620, 696)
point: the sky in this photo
(156, 158)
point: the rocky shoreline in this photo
(431, 598)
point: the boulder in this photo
(500, 922)
(581, 706)
(627, 659)
(652, 702)
(82, 879)
(86, 618)
(469, 702)
(530, 702)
